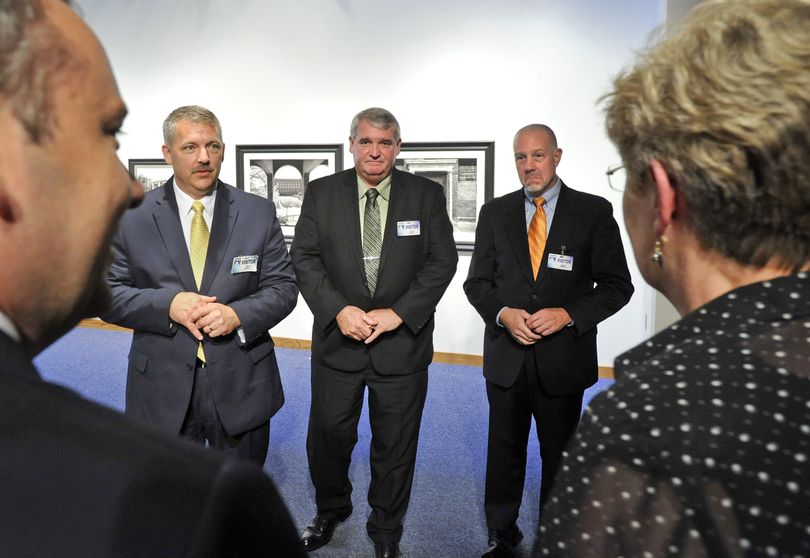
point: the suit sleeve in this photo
(323, 298)
(480, 283)
(609, 272)
(244, 516)
(277, 293)
(418, 303)
(133, 307)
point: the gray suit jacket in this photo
(151, 265)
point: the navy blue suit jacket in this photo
(151, 266)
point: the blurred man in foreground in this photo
(79, 479)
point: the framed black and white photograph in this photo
(151, 173)
(466, 172)
(282, 173)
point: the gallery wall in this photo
(284, 72)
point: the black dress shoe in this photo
(386, 549)
(498, 549)
(320, 530)
(502, 543)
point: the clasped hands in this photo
(528, 329)
(366, 326)
(203, 314)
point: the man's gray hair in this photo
(191, 113)
(377, 117)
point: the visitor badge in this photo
(559, 261)
(407, 228)
(244, 264)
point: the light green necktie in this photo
(372, 240)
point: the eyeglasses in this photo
(617, 177)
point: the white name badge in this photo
(558, 261)
(244, 264)
(408, 228)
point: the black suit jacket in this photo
(327, 253)
(151, 265)
(82, 480)
(500, 275)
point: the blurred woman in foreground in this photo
(701, 447)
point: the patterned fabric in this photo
(372, 239)
(537, 235)
(701, 447)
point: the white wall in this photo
(450, 70)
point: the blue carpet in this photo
(446, 515)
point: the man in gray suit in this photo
(201, 272)
(374, 253)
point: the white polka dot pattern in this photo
(701, 446)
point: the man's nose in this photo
(136, 193)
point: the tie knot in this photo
(197, 207)
(539, 202)
(371, 194)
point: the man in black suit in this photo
(202, 362)
(80, 479)
(373, 253)
(543, 274)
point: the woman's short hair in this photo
(723, 101)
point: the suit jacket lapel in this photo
(225, 213)
(515, 223)
(560, 228)
(349, 210)
(396, 203)
(167, 220)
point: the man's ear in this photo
(9, 210)
(667, 205)
(15, 137)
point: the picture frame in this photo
(151, 173)
(466, 171)
(282, 173)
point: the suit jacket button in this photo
(534, 297)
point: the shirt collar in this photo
(184, 202)
(8, 327)
(384, 187)
(550, 195)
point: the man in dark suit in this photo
(373, 253)
(80, 479)
(547, 267)
(201, 272)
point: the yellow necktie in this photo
(537, 235)
(198, 250)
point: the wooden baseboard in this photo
(605, 372)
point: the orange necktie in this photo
(537, 235)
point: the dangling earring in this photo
(658, 251)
